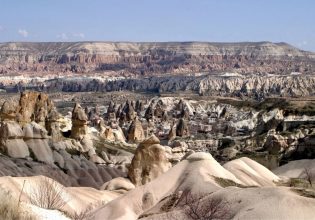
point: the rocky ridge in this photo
(229, 85)
(153, 58)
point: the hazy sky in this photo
(291, 21)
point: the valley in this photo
(187, 130)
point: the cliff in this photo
(153, 58)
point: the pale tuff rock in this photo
(8, 111)
(119, 183)
(129, 111)
(12, 140)
(135, 132)
(109, 134)
(11, 130)
(53, 125)
(79, 122)
(34, 106)
(79, 132)
(150, 160)
(179, 146)
(170, 57)
(113, 134)
(36, 138)
(172, 133)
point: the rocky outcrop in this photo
(37, 140)
(148, 58)
(135, 132)
(182, 129)
(76, 171)
(53, 126)
(8, 111)
(172, 133)
(33, 106)
(275, 144)
(79, 122)
(149, 113)
(11, 137)
(269, 120)
(129, 111)
(150, 160)
(257, 86)
(29, 140)
(114, 134)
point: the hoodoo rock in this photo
(52, 125)
(172, 133)
(109, 134)
(110, 111)
(150, 160)
(139, 106)
(79, 122)
(149, 113)
(8, 111)
(33, 106)
(79, 131)
(135, 132)
(129, 111)
(182, 128)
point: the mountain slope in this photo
(153, 58)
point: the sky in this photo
(291, 21)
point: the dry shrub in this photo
(198, 206)
(10, 208)
(309, 175)
(48, 194)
